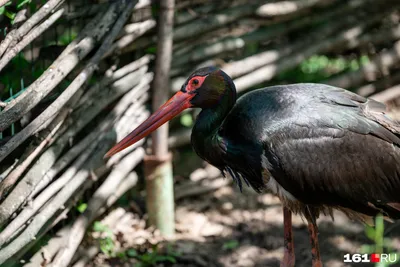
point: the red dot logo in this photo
(375, 257)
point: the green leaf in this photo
(162, 258)
(82, 207)
(67, 36)
(186, 120)
(21, 3)
(370, 232)
(171, 259)
(151, 50)
(131, 253)
(379, 231)
(10, 14)
(354, 65)
(107, 246)
(147, 258)
(232, 244)
(364, 60)
(99, 227)
(2, 10)
(122, 255)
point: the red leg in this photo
(313, 229)
(288, 256)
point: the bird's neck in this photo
(205, 139)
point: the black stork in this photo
(315, 146)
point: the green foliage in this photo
(106, 243)
(151, 50)
(82, 207)
(101, 228)
(21, 3)
(153, 257)
(11, 13)
(251, 48)
(186, 120)
(67, 37)
(3, 8)
(132, 253)
(320, 67)
(107, 246)
(381, 244)
(11, 79)
(150, 258)
(231, 244)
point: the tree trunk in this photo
(158, 170)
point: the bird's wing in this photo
(359, 114)
(340, 150)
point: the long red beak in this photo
(175, 105)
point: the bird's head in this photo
(203, 89)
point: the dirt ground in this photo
(219, 226)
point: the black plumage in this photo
(324, 145)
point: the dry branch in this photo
(380, 85)
(199, 50)
(380, 64)
(99, 199)
(136, 30)
(111, 185)
(193, 13)
(382, 35)
(206, 10)
(80, 118)
(135, 95)
(8, 170)
(387, 95)
(46, 195)
(3, 2)
(267, 72)
(125, 70)
(58, 71)
(93, 92)
(67, 94)
(33, 229)
(86, 11)
(32, 35)
(197, 189)
(14, 36)
(281, 8)
(210, 23)
(86, 254)
(58, 201)
(46, 253)
(57, 185)
(13, 177)
(61, 214)
(252, 63)
(79, 148)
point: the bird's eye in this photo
(195, 82)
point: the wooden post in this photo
(158, 167)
